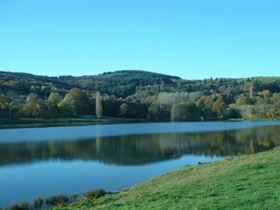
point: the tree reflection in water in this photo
(143, 149)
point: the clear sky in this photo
(190, 39)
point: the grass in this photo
(246, 182)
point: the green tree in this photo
(67, 105)
(124, 109)
(80, 101)
(75, 102)
(52, 102)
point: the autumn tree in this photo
(205, 104)
(219, 107)
(265, 94)
(33, 107)
(98, 105)
(242, 100)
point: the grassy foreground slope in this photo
(246, 182)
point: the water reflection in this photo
(142, 149)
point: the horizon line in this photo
(143, 70)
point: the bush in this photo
(38, 203)
(95, 194)
(90, 194)
(21, 206)
(100, 193)
(57, 200)
(75, 197)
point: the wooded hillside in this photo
(139, 94)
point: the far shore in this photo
(86, 120)
(53, 122)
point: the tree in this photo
(265, 93)
(110, 107)
(219, 107)
(80, 101)
(98, 105)
(75, 102)
(33, 107)
(251, 90)
(52, 102)
(158, 112)
(4, 104)
(124, 109)
(67, 105)
(54, 98)
(185, 112)
(13, 106)
(205, 104)
(276, 98)
(242, 100)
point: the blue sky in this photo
(191, 39)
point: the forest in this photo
(135, 94)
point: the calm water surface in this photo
(65, 160)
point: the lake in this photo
(65, 160)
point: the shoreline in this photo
(44, 122)
(218, 169)
(6, 123)
(233, 181)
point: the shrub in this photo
(95, 194)
(90, 194)
(75, 197)
(57, 200)
(100, 193)
(21, 206)
(38, 203)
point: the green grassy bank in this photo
(246, 182)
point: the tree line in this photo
(146, 95)
(177, 106)
(74, 103)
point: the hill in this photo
(139, 94)
(119, 83)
